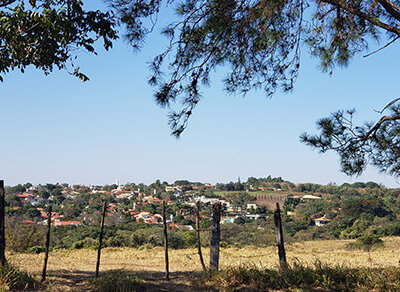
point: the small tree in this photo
(367, 242)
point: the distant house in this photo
(152, 200)
(251, 206)
(253, 216)
(322, 221)
(66, 223)
(148, 218)
(310, 197)
(28, 222)
(175, 189)
(123, 194)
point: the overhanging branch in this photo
(363, 15)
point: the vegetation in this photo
(358, 210)
(313, 264)
(118, 282)
(366, 242)
(305, 278)
(12, 279)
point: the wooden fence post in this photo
(215, 236)
(2, 225)
(279, 236)
(165, 241)
(198, 235)
(103, 215)
(46, 254)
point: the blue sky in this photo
(57, 129)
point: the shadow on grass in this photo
(123, 280)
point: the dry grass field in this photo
(70, 269)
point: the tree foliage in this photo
(259, 41)
(377, 143)
(48, 34)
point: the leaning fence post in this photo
(279, 236)
(2, 225)
(215, 236)
(198, 235)
(100, 238)
(165, 241)
(46, 255)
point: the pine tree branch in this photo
(390, 8)
(375, 128)
(4, 3)
(363, 15)
(381, 48)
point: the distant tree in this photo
(16, 189)
(31, 212)
(355, 207)
(205, 223)
(44, 194)
(261, 210)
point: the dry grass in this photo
(66, 264)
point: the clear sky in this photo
(57, 129)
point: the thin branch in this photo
(388, 44)
(388, 105)
(326, 13)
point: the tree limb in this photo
(363, 15)
(390, 8)
(375, 128)
(4, 3)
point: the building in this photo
(251, 206)
(310, 197)
(322, 221)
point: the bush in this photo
(366, 242)
(117, 282)
(175, 240)
(121, 238)
(85, 243)
(21, 237)
(36, 249)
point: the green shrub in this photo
(36, 249)
(117, 282)
(85, 243)
(146, 246)
(366, 242)
(121, 238)
(176, 241)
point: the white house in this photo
(322, 221)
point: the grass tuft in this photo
(117, 281)
(12, 279)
